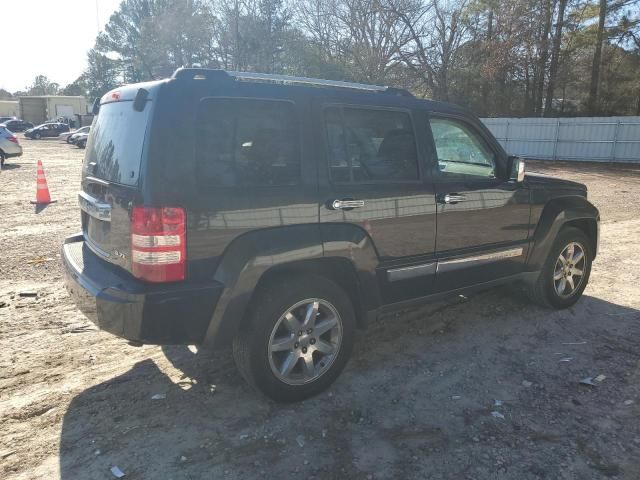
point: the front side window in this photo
(461, 151)
(370, 145)
(247, 142)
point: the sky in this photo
(49, 37)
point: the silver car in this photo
(66, 136)
(80, 140)
(9, 146)
(71, 137)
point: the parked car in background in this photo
(4, 119)
(46, 130)
(80, 140)
(66, 136)
(79, 134)
(301, 210)
(9, 146)
(17, 125)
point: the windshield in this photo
(115, 145)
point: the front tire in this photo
(566, 271)
(297, 337)
(37, 136)
(2, 159)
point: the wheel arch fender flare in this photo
(250, 257)
(556, 214)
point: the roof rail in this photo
(265, 77)
(206, 73)
(194, 73)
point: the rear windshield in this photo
(115, 146)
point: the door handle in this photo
(346, 204)
(448, 198)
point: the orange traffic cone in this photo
(42, 191)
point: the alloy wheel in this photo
(305, 341)
(569, 270)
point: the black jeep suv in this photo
(279, 214)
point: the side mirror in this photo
(516, 169)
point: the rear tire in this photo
(2, 159)
(559, 284)
(297, 337)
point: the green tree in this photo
(497, 57)
(103, 74)
(43, 86)
(77, 87)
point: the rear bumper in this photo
(120, 304)
(12, 150)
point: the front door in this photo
(372, 177)
(483, 217)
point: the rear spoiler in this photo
(139, 100)
(131, 93)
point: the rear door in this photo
(483, 217)
(252, 171)
(372, 176)
(111, 182)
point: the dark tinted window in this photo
(370, 145)
(247, 142)
(114, 149)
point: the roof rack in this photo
(304, 81)
(205, 73)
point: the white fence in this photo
(592, 139)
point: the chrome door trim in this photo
(405, 273)
(457, 263)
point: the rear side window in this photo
(247, 142)
(370, 145)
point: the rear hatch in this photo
(111, 173)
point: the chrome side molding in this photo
(404, 273)
(456, 263)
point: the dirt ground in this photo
(417, 400)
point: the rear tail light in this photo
(158, 250)
(13, 139)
